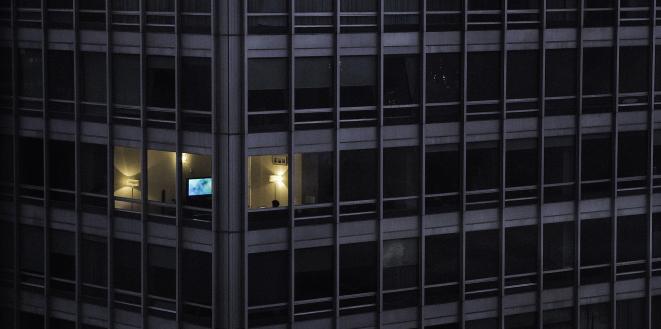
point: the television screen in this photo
(199, 186)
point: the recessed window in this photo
(634, 69)
(62, 254)
(127, 265)
(483, 80)
(31, 161)
(482, 166)
(597, 70)
(401, 79)
(127, 178)
(126, 79)
(632, 154)
(268, 183)
(522, 73)
(521, 168)
(631, 231)
(196, 83)
(162, 272)
(560, 72)
(160, 81)
(313, 273)
(401, 172)
(314, 82)
(521, 250)
(93, 77)
(595, 239)
(400, 263)
(358, 81)
(31, 250)
(442, 258)
(60, 74)
(358, 175)
(358, 268)
(443, 77)
(314, 178)
(596, 157)
(482, 254)
(29, 73)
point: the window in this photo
(482, 166)
(634, 72)
(60, 74)
(31, 250)
(559, 164)
(558, 253)
(631, 314)
(126, 79)
(197, 184)
(196, 286)
(562, 318)
(401, 79)
(160, 15)
(160, 81)
(358, 15)
(314, 16)
(6, 247)
(29, 73)
(483, 81)
(62, 260)
(358, 177)
(595, 316)
(268, 284)
(314, 82)
(482, 254)
(161, 176)
(267, 16)
(656, 235)
(31, 161)
(631, 233)
(443, 77)
(521, 321)
(268, 183)
(127, 265)
(268, 91)
(442, 175)
(521, 163)
(442, 258)
(196, 16)
(93, 77)
(632, 154)
(401, 172)
(561, 81)
(127, 178)
(313, 273)
(61, 165)
(6, 69)
(400, 263)
(358, 81)
(596, 166)
(30, 321)
(358, 268)
(523, 74)
(94, 269)
(314, 178)
(595, 239)
(597, 79)
(196, 83)
(521, 250)
(401, 15)
(444, 15)
(93, 168)
(162, 273)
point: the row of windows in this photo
(317, 16)
(159, 90)
(630, 314)
(268, 272)
(314, 86)
(313, 189)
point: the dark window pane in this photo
(631, 232)
(442, 258)
(443, 77)
(93, 77)
(401, 172)
(62, 255)
(481, 254)
(126, 265)
(31, 249)
(401, 79)
(560, 72)
(94, 253)
(93, 174)
(29, 73)
(596, 316)
(521, 163)
(631, 314)
(162, 273)
(358, 176)
(483, 75)
(62, 164)
(596, 157)
(523, 74)
(60, 74)
(313, 273)
(315, 174)
(482, 166)
(196, 276)
(6, 246)
(314, 82)
(268, 278)
(196, 83)
(558, 246)
(31, 161)
(358, 268)
(632, 154)
(597, 71)
(634, 69)
(126, 79)
(442, 169)
(595, 239)
(160, 81)
(358, 81)
(267, 84)
(521, 250)
(559, 157)
(400, 263)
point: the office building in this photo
(470, 164)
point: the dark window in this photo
(274, 19)
(314, 82)
(196, 277)
(126, 79)
(162, 272)
(558, 246)
(443, 77)
(93, 164)
(483, 81)
(489, 323)
(313, 273)
(596, 316)
(31, 249)
(482, 166)
(631, 314)
(631, 232)
(521, 163)
(358, 175)
(595, 239)
(632, 154)
(191, 20)
(31, 320)
(401, 172)
(316, 178)
(656, 235)
(442, 172)
(60, 74)
(521, 250)
(559, 318)
(62, 164)
(54, 323)
(6, 69)
(596, 157)
(267, 84)
(401, 79)
(560, 72)
(657, 72)
(634, 69)
(358, 268)
(7, 166)
(521, 321)
(62, 255)
(559, 157)
(196, 83)
(94, 253)
(160, 81)
(400, 263)
(481, 254)
(358, 81)
(484, 5)
(523, 74)
(31, 161)
(268, 278)
(442, 258)
(126, 265)
(6, 246)
(29, 73)
(597, 71)
(93, 77)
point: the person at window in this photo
(275, 203)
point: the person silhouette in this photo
(275, 203)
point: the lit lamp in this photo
(132, 183)
(278, 180)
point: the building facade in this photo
(233, 164)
